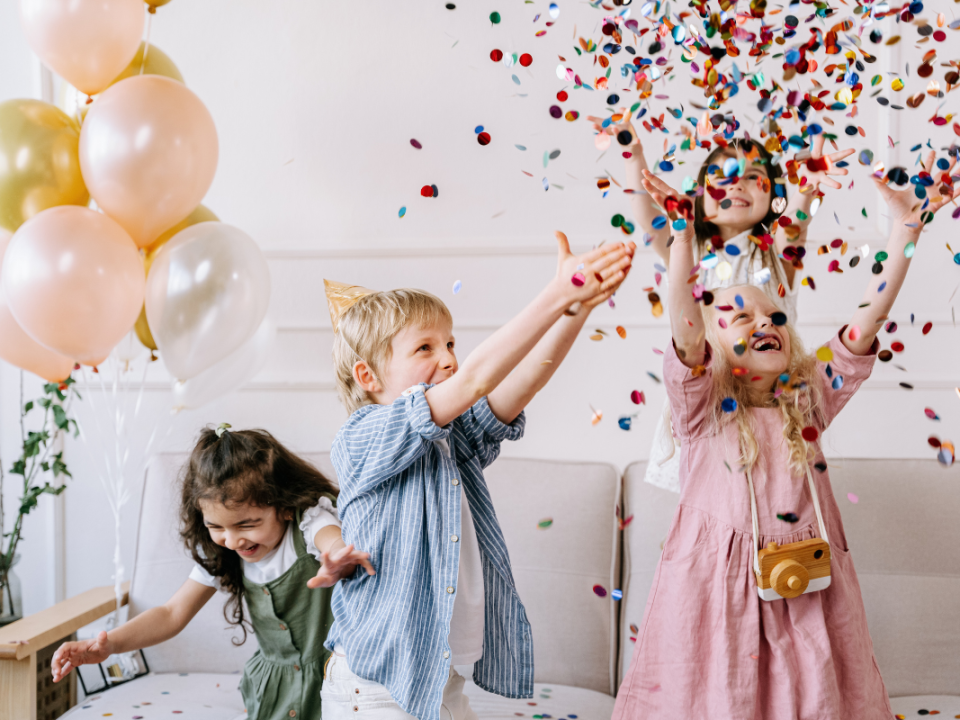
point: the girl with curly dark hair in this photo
(261, 525)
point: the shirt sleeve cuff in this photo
(314, 520)
(493, 427)
(418, 412)
(198, 574)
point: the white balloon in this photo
(207, 293)
(129, 349)
(228, 374)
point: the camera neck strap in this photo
(756, 524)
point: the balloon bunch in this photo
(74, 280)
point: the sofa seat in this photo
(915, 707)
(556, 702)
(191, 696)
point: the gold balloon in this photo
(39, 161)
(73, 102)
(201, 214)
(340, 297)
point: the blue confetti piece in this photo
(478, 129)
(660, 222)
(546, 185)
(666, 166)
(739, 301)
(728, 405)
(731, 250)
(679, 224)
(456, 287)
(625, 423)
(516, 80)
(837, 382)
(521, 148)
(882, 286)
(616, 594)
(403, 211)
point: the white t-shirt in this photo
(466, 624)
(282, 557)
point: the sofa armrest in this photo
(25, 637)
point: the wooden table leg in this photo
(18, 689)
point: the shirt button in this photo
(456, 481)
(453, 538)
(266, 592)
(450, 590)
(282, 626)
(293, 713)
(297, 668)
(356, 709)
(446, 654)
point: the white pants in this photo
(346, 697)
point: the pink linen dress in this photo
(709, 647)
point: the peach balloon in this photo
(18, 348)
(148, 153)
(73, 280)
(86, 42)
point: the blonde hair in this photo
(366, 331)
(800, 402)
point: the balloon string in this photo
(146, 42)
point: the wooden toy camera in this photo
(788, 571)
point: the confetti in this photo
(456, 287)
(545, 523)
(853, 498)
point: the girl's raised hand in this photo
(614, 131)
(664, 196)
(817, 167)
(906, 208)
(74, 654)
(339, 564)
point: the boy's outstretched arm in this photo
(578, 279)
(536, 369)
(905, 211)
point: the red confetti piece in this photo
(600, 590)
(637, 397)
(930, 413)
(416, 144)
(810, 433)
(897, 346)
(483, 138)
(426, 191)
(526, 59)
(496, 55)
(578, 279)
(927, 327)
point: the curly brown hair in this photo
(243, 467)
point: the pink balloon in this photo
(74, 281)
(148, 153)
(86, 42)
(18, 348)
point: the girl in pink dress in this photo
(749, 402)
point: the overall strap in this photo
(756, 524)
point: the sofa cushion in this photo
(920, 707)
(560, 702)
(198, 696)
(557, 567)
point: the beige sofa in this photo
(902, 532)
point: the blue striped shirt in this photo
(400, 501)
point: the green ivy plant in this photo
(36, 460)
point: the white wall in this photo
(315, 104)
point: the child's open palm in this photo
(906, 208)
(665, 196)
(74, 654)
(594, 276)
(817, 167)
(339, 564)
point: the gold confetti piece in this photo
(622, 331)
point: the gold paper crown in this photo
(341, 297)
